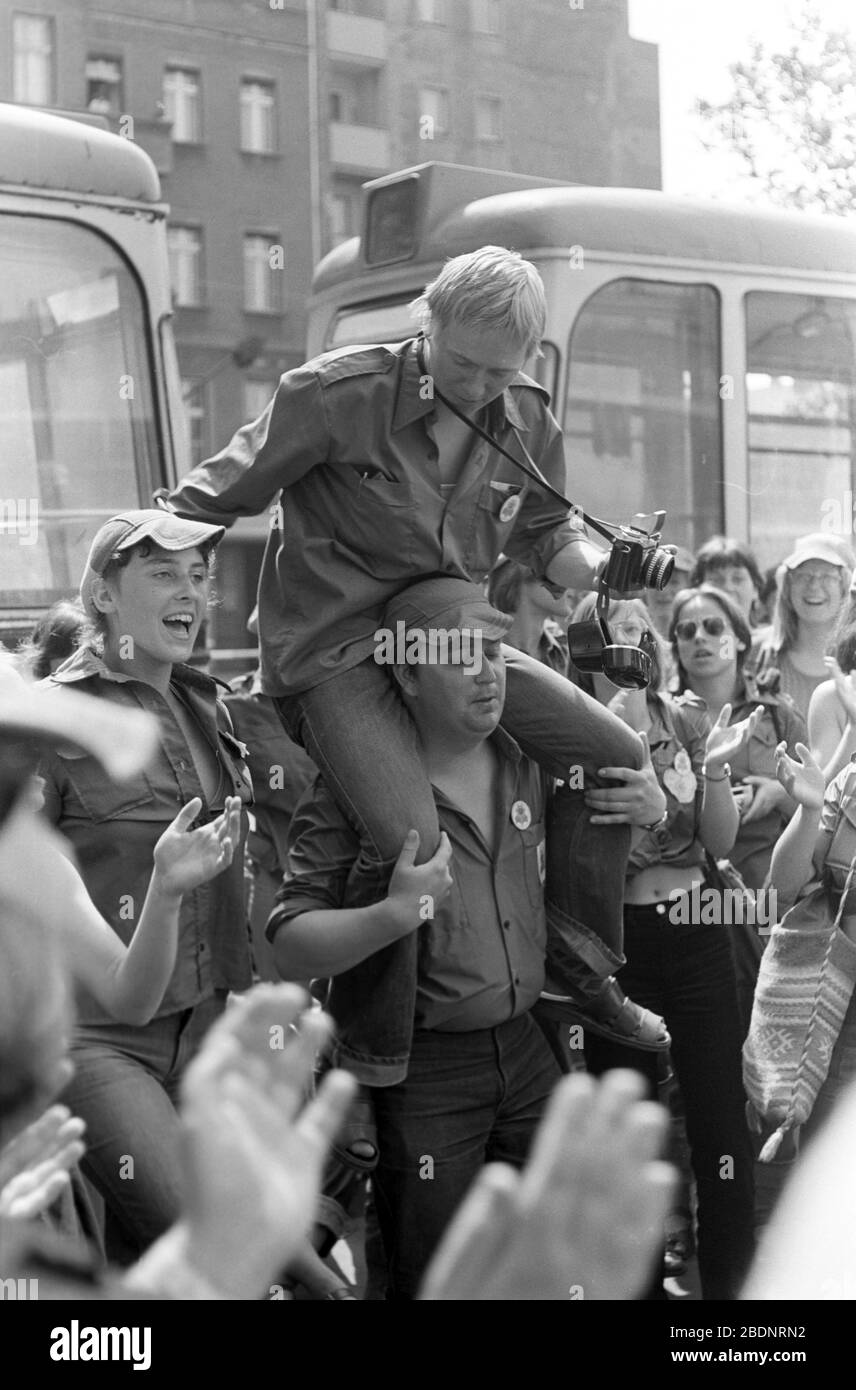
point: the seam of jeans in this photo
(341, 796)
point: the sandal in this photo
(612, 1014)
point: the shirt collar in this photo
(86, 662)
(414, 401)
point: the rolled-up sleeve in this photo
(290, 437)
(322, 850)
(543, 526)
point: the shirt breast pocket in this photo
(495, 515)
(377, 518)
(761, 750)
(535, 861)
(98, 798)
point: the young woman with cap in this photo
(812, 586)
(146, 588)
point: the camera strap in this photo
(530, 468)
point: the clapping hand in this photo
(34, 1166)
(584, 1220)
(185, 858)
(724, 739)
(803, 780)
(255, 1147)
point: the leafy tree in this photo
(791, 119)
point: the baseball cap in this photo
(167, 530)
(444, 601)
(123, 740)
(821, 545)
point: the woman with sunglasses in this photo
(812, 585)
(711, 640)
(677, 964)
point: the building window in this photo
(185, 265)
(263, 271)
(257, 397)
(33, 65)
(258, 116)
(431, 11)
(182, 99)
(488, 118)
(487, 16)
(433, 112)
(195, 396)
(104, 86)
(336, 106)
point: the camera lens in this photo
(656, 568)
(627, 667)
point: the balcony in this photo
(353, 39)
(359, 149)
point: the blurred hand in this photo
(585, 1217)
(767, 795)
(34, 1166)
(804, 779)
(185, 858)
(254, 1151)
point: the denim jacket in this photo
(113, 828)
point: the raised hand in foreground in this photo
(254, 1151)
(34, 1166)
(583, 1220)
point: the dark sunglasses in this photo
(686, 630)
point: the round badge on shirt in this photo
(680, 779)
(521, 816)
(509, 509)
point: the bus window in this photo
(642, 419)
(392, 322)
(801, 395)
(388, 324)
(77, 432)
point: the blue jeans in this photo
(686, 973)
(125, 1087)
(358, 732)
(469, 1099)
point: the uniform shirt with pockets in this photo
(679, 729)
(114, 827)
(481, 958)
(343, 458)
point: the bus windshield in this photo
(77, 427)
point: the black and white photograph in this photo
(427, 670)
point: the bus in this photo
(91, 415)
(699, 356)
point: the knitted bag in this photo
(804, 987)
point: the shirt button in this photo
(507, 924)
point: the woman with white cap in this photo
(146, 589)
(812, 585)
